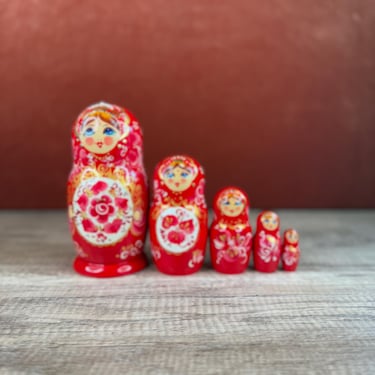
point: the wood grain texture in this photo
(319, 320)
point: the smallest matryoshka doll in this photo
(290, 251)
(230, 233)
(267, 242)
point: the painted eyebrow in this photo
(168, 170)
(88, 123)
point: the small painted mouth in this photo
(177, 184)
(99, 144)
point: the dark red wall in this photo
(276, 96)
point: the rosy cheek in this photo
(170, 180)
(89, 141)
(183, 180)
(108, 141)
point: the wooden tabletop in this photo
(320, 319)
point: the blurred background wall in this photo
(276, 96)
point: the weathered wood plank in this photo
(320, 319)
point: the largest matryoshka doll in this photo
(178, 216)
(107, 192)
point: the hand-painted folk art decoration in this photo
(267, 242)
(290, 250)
(178, 216)
(107, 192)
(230, 233)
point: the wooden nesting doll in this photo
(178, 216)
(290, 250)
(107, 192)
(267, 242)
(230, 233)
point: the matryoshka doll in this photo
(230, 234)
(290, 251)
(178, 216)
(107, 192)
(267, 242)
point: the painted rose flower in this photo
(169, 221)
(113, 227)
(99, 187)
(89, 226)
(187, 226)
(176, 237)
(101, 208)
(122, 203)
(83, 202)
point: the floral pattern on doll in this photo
(197, 259)
(199, 197)
(269, 247)
(178, 175)
(290, 255)
(131, 250)
(102, 210)
(159, 194)
(177, 229)
(232, 247)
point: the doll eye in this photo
(170, 175)
(88, 132)
(108, 131)
(266, 221)
(226, 203)
(184, 174)
(238, 203)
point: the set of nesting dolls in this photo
(108, 208)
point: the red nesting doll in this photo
(230, 233)
(267, 242)
(290, 251)
(178, 216)
(107, 192)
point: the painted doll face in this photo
(270, 220)
(99, 136)
(178, 177)
(231, 204)
(291, 236)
